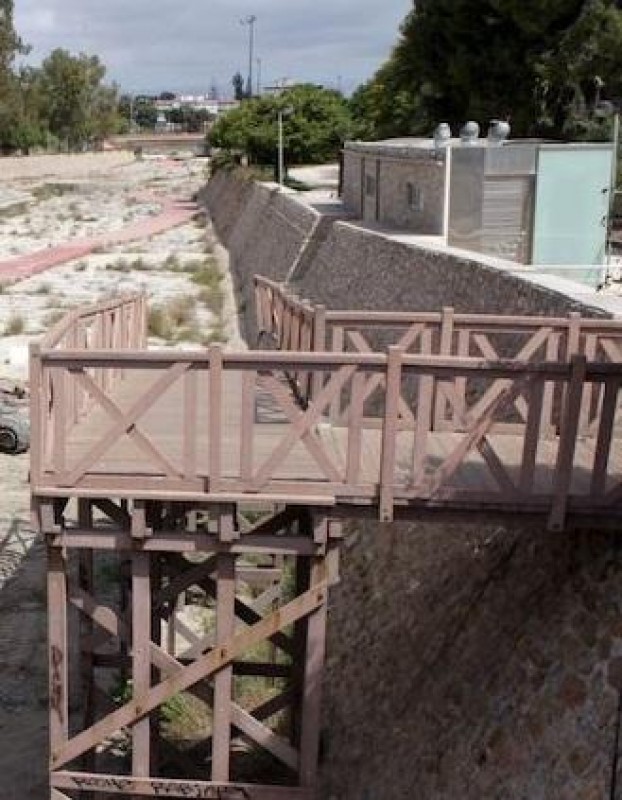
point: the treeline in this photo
(63, 104)
(551, 67)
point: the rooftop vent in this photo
(442, 136)
(498, 131)
(469, 133)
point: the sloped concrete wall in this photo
(265, 230)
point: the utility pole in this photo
(250, 21)
(258, 77)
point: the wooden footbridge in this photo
(217, 474)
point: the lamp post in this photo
(250, 21)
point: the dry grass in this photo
(175, 321)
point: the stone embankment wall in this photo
(477, 659)
(268, 232)
(474, 661)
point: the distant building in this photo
(531, 202)
(196, 102)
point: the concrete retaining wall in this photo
(353, 268)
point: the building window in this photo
(370, 185)
(414, 196)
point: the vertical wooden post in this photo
(36, 411)
(156, 674)
(190, 423)
(141, 659)
(302, 576)
(389, 433)
(223, 682)
(315, 653)
(215, 416)
(247, 426)
(319, 346)
(424, 414)
(59, 386)
(86, 583)
(446, 341)
(567, 443)
(57, 649)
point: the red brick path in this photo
(172, 215)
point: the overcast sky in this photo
(158, 45)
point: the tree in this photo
(532, 61)
(317, 126)
(145, 113)
(79, 107)
(10, 102)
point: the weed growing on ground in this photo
(182, 310)
(207, 274)
(47, 191)
(216, 336)
(213, 299)
(159, 323)
(43, 288)
(80, 266)
(120, 265)
(175, 321)
(171, 263)
(15, 325)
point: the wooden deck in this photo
(471, 411)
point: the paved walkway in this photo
(172, 215)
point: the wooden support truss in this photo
(127, 607)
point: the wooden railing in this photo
(447, 333)
(59, 402)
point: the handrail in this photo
(390, 407)
(54, 336)
(59, 402)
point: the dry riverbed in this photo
(184, 273)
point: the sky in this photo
(159, 45)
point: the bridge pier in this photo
(245, 666)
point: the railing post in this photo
(36, 407)
(389, 433)
(260, 317)
(567, 443)
(447, 332)
(319, 346)
(215, 416)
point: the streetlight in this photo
(282, 112)
(250, 21)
